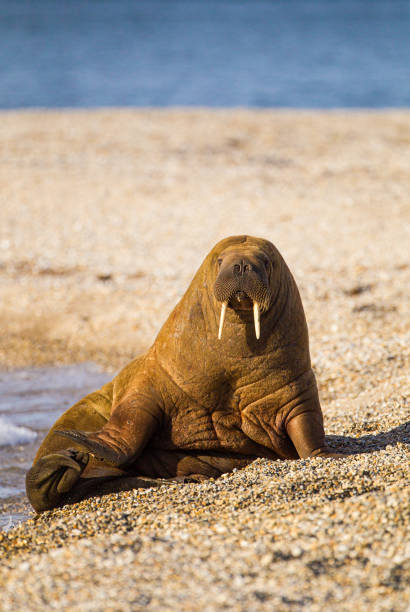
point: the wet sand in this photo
(105, 217)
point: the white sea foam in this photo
(13, 434)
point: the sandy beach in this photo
(105, 217)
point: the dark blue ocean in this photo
(255, 53)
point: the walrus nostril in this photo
(242, 268)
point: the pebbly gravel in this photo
(285, 535)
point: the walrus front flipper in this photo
(126, 433)
(94, 445)
(307, 434)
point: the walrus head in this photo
(243, 280)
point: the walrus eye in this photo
(267, 264)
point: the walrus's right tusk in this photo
(256, 318)
(222, 319)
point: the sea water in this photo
(215, 53)
(31, 400)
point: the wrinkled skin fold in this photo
(214, 392)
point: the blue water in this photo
(31, 400)
(257, 53)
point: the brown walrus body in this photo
(197, 405)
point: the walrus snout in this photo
(243, 284)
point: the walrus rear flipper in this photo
(64, 478)
(104, 486)
(52, 476)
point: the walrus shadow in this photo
(370, 443)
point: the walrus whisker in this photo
(222, 319)
(256, 317)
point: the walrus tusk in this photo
(256, 317)
(222, 319)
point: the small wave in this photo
(12, 434)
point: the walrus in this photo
(227, 380)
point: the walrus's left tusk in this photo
(222, 319)
(256, 318)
